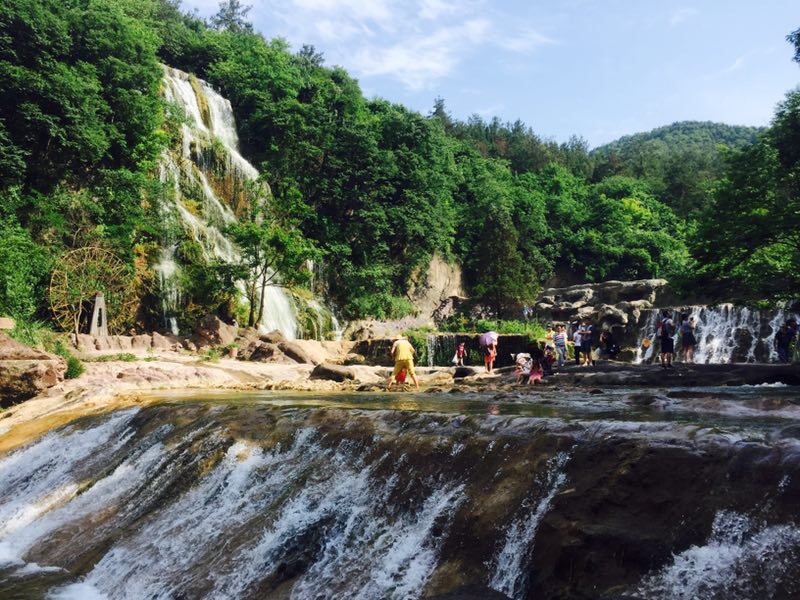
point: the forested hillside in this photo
(680, 162)
(368, 188)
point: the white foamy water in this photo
(190, 173)
(743, 559)
(511, 560)
(43, 476)
(723, 333)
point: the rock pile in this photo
(25, 372)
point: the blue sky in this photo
(599, 69)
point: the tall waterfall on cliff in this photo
(725, 333)
(209, 176)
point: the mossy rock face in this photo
(202, 101)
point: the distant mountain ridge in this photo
(683, 134)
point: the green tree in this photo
(23, 267)
(506, 280)
(232, 16)
(272, 251)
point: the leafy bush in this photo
(31, 333)
(75, 367)
(23, 267)
(212, 354)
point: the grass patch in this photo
(211, 355)
(122, 357)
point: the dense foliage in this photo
(367, 187)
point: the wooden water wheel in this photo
(82, 274)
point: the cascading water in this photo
(253, 500)
(209, 176)
(725, 333)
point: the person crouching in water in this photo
(523, 366)
(403, 353)
(537, 372)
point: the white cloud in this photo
(433, 9)
(415, 42)
(424, 58)
(680, 15)
(524, 42)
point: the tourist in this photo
(523, 366)
(666, 329)
(460, 355)
(576, 342)
(608, 349)
(587, 332)
(783, 339)
(560, 341)
(548, 359)
(489, 356)
(688, 339)
(550, 334)
(536, 372)
(403, 354)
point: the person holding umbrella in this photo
(488, 342)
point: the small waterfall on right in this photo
(725, 333)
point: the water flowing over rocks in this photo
(210, 179)
(211, 499)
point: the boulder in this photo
(123, 343)
(26, 372)
(332, 372)
(102, 343)
(85, 342)
(141, 342)
(263, 352)
(461, 372)
(612, 315)
(273, 337)
(160, 342)
(213, 331)
(189, 345)
(354, 359)
(297, 353)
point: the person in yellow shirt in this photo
(403, 354)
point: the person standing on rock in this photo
(666, 330)
(688, 339)
(576, 343)
(560, 341)
(403, 354)
(587, 332)
(783, 338)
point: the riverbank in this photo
(114, 384)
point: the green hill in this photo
(678, 161)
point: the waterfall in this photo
(739, 547)
(725, 333)
(512, 559)
(209, 177)
(273, 498)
